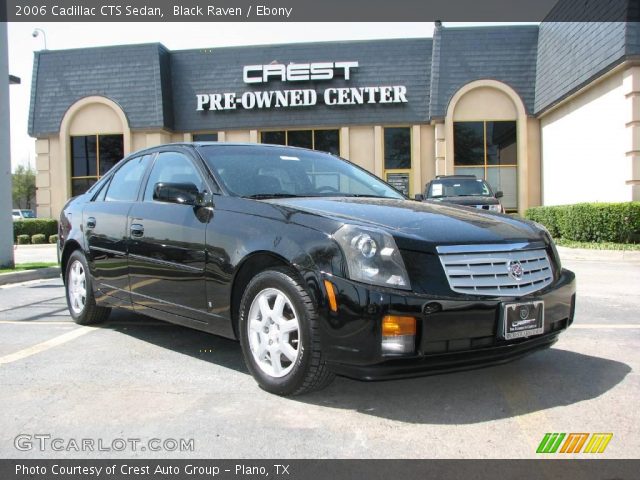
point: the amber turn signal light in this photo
(331, 295)
(394, 325)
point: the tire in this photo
(278, 330)
(79, 292)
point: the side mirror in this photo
(204, 200)
(180, 193)
(418, 197)
(499, 194)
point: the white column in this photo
(345, 143)
(378, 151)
(441, 149)
(416, 160)
(631, 84)
(6, 222)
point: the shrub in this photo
(591, 222)
(550, 217)
(23, 239)
(38, 239)
(33, 226)
(53, 238)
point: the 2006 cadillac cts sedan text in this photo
(316, 266)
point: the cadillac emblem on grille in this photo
(514, 268)
(496, 270)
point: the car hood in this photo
(469, 200)
(432, 222)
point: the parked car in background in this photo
(317, 266)
(467, 190)
(21, 214)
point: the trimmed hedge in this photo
(34, 226)
(591, 222)
(23, 240)
(38, 239)
(53, 238)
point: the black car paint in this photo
(188, 275)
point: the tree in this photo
(24, 187)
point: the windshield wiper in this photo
(362, 195)
(260, 196)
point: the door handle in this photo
(91, 222)
(137, 230)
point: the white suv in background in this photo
(21, 214)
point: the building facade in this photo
(548, 114)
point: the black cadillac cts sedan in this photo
(316, 266)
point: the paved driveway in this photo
(135, 378)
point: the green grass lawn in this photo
(28, 266)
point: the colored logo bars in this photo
(574, 442)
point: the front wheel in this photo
(79, 292)
(278, 333)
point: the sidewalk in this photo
(45, 253)
(35, 253)
(628, 256)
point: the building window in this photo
(397, 158)
(205, 137)
(397, 148)
(489, 150)
(300, 138)
(323, 140)
(91, 157)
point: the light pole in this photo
(6, 220)
(38, 31)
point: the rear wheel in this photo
(278, 333)
(79, 292)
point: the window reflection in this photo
(489, 150)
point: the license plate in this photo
(521, 320)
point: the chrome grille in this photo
(488, 272)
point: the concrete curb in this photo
(28, 275)
(629, 256)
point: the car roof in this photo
(218, 144)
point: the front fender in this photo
(233, 238)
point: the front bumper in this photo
(462, 332)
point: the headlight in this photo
(372, 257)
(495, 208)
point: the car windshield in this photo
(459, 187)
(28, 214)
(269, 172)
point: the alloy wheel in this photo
(274, 332)
(77, 287)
